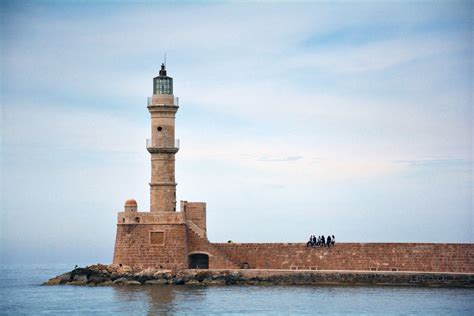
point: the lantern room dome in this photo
(131, 202)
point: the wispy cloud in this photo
(437, 163)
(280, 159)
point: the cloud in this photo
(376, 56)
(437, 163)
(274, 185)
(280, 159)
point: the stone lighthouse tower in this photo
(163, 146)
(158, 238)
(165, 238)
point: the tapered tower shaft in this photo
(162, 146)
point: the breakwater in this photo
(421, 257)
(102, 275)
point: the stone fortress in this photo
(167, 238)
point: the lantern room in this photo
(163, 84)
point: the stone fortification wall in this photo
(195, 212)
(151, 245)
(353, 256)
(195, 216)
(198, 243)
(150, 218)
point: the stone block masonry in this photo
(196, 213)
(353, 256)
(134, 246)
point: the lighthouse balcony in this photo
(163, 100)
(162, 146)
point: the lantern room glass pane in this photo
(163, 85)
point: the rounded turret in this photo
(131, 205)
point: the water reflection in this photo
(164, 299)
(158, 298)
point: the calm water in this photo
(21, 293)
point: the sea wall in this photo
(353, 256)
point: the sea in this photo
(22, 293)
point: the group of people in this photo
(321, 241)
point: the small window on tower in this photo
(157, 238)
(159, 128)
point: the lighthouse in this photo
(165, 238)
(162, 145)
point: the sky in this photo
(346, 118)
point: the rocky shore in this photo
(102, 275)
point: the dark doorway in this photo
(199, 261)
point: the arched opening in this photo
(199, 261)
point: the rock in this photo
(77, 283)
(147, 272)
(202, 275)
(53, 281)
(61, 279)
(115, 276)
(232, 278)
(80, 278)
(100, 278)
(162, 275)
(120, 280)
(85, 271)
(156, 282)
(112, 268)
(124, 270)
(213, 282)
(178, 281)
(65, 277)
(185, 274)
(131, 282)
(193, 282)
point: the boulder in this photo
(80, 278)
(131, 282)
(202, 275)
(146, 273)
(193, 282)
(213, 282)
(99, 278)
(162, 274)
(177, 281)
(53, 281)
(156, 282)
(124, 270)
(121, 280)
